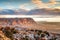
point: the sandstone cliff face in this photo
(21, 22)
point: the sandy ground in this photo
(50, 26)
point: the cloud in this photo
(52, 2)
(10, 7)
(24, 6)
(40, 4)
(1, 8)
(58, 7)
(57, 0)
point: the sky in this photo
(29, 4)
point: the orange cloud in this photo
(40, 4)
(52, 2)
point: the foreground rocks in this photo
(18, 33)
(3, 37)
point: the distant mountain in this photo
(21, 22)
(44, 12)
(6, 12)
(21, 12)
(13, 12)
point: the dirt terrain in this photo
(51, 26)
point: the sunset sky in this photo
(29, 4)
